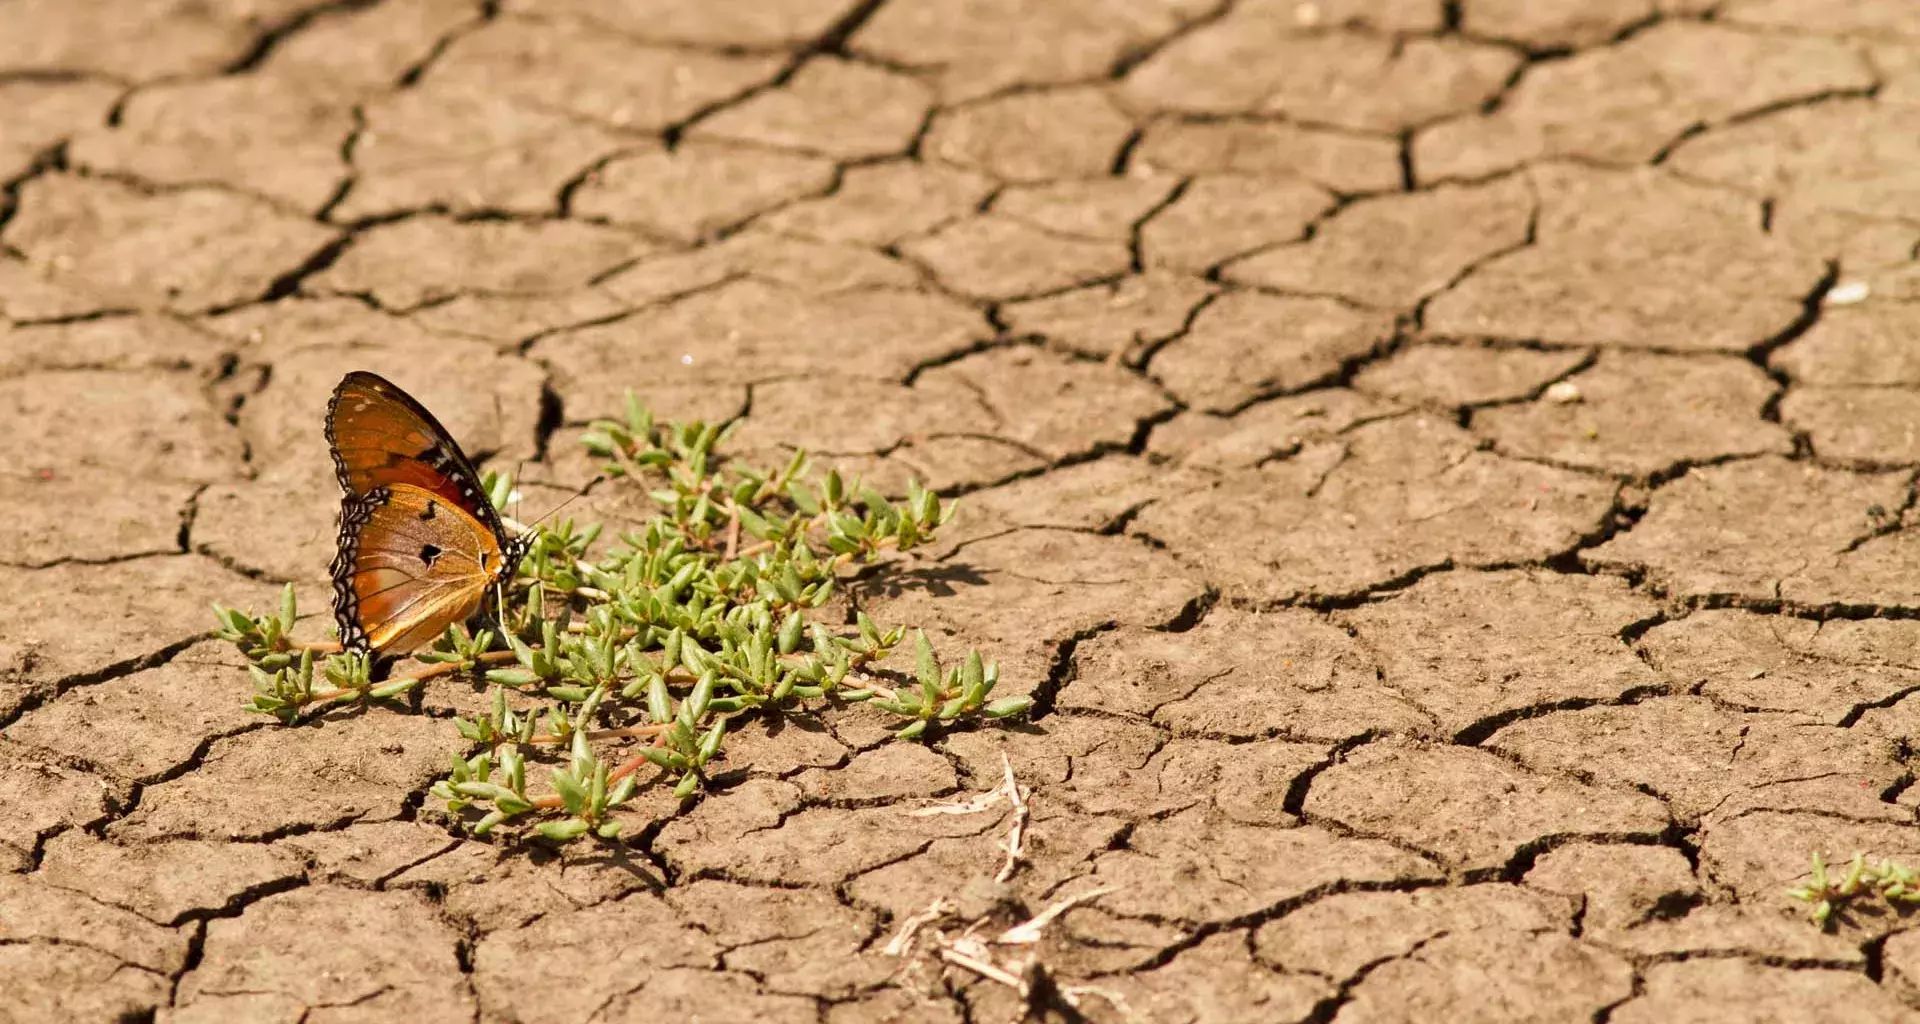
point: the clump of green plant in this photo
(1897, 884)
(637, 660)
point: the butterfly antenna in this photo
(571, 498)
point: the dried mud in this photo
(1443, 471)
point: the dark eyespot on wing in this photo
(428, 552)
(431, 507)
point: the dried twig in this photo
(994, 959)
(1029, 931)
(1015, 844)
(982, 801)
(1073, 994)
(902, 942)
(974, 955)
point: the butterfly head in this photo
(510, 555)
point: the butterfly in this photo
(420, 544)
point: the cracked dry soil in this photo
(1378, 679)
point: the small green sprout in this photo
(1898, 884)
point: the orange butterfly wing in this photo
(419, 541)
(380, 435)
(410, 565)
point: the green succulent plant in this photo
(641, 655)
(1831, 897)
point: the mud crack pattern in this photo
(1445, 482)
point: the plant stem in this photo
(733, 532)
(632, 765)
(421, 674)
(591, 593)
(443, 668)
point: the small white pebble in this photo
(686, 360)
(1849, 293)
(1563, 392)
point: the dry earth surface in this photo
(1443, 471)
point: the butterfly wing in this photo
(381, 437)
(410, 564)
